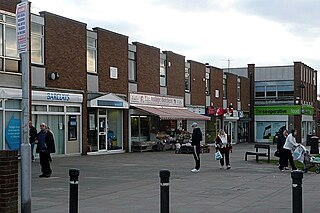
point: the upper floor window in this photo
(9, 59)
(163, 73)
(224, 86)
(187, 79)
(91, 55)
(208, 81)
(37, 36)
(274, 89)
(132, 66)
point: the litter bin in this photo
(314, 145)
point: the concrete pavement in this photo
(123, 183)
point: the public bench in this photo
(258, 154)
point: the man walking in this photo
(45, 146)
(32, 137)
(196, 138)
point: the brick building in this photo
(98, 93)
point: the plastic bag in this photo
(218, 155)
(297, 153)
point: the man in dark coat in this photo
(45, 146)
(196, 138)
(32, 137)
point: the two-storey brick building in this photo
(99, 94)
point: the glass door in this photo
(102, 132)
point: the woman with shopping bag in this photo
(288, 149)
(223, 145)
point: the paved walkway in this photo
(126, 183)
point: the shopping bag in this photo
(297, 153)
(218, 155)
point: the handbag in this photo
(218, 155)
(277, 154)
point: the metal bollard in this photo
(296, 191)
(164, 191)
(73, 198)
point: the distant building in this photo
(284, 96)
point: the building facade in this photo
(100, 94)
(284, 97)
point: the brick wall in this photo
(112, 52)
(9, 5)
(175, 74)
(245, 94)
(148, 68)
(65, 52)
(8, 181)
(232, 90)
(198, 89)
(216, 80)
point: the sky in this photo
(262, 32)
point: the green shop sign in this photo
(283, 110)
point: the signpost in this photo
(22, 29)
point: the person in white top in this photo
(289, 147)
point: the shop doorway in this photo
(102, 132)
(231, 129)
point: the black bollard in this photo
(73, 198)
(296, 191)
(164, 191)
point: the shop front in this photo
(165, 115)
(269, 119)
(61, 111)
(105, 124)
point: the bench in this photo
(259, 154)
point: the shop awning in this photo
(166, 113)
(108, 101)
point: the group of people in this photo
(45, 146)
(222, 145)
(286, 144)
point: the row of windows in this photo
(274, 91)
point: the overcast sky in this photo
(263, 32)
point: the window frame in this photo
(132, 70)
(93, 49)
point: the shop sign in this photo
(52, 96)
(277, 110)
(56, 96)
(155, 100)
(13, 133)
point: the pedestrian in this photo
(283, 161)
(223, 144)
(45, 146)
(32, 138)
(49, 131)
(196, 138)
(288, 149)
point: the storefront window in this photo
(40, 108)
(73, 109)
(13, 104)
(140, 128)
(56, 108)
(114, 129)
(144, 128)
(135, 127)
